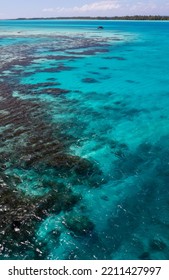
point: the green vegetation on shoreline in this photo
(136, 17)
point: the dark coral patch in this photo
(104, 68)
(60, 198)
(145, 256)
(157, 245)
(79, 225)
(82, 167)
(59, 57)
(55, 91)
(89, 80)
(51, 79)
(33, 88)
(94, 73)
(131, 82)
(115, 57)
(59, 68)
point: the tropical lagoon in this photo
(84, 133)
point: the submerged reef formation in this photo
(31, 144)
(35, 161)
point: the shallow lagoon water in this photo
(84, 140)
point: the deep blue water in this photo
(84, 131)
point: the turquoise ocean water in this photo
(84, 133)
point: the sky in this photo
(54, 8)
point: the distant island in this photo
(136, 17)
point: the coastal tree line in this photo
(136, 17)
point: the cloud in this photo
(48, 10)
(98, 6)
(101, 6)
(112, 7)
(142, 7)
